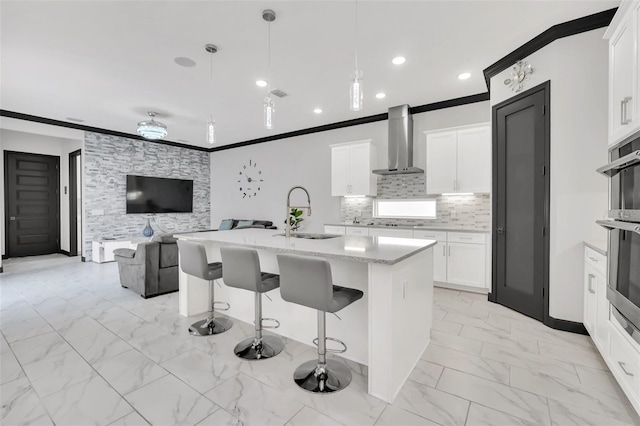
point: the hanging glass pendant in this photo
(356, 93)
(211, 131)
(269, 111)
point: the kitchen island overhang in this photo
(387, 330)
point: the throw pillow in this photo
(225, 225)
(244, 224)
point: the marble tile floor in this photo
(78, 349)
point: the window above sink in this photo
(405, 208)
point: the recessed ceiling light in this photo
(185, 62)
(398, 60)
(261, 83)
(464, 76)
(318, 110)
(381, 95)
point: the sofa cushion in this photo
(244, 223)
(225, 225)
(168, 255)
(125, 252)
(265, 223)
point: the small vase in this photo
(148, 230)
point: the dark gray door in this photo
(32, 204)
(521, 202)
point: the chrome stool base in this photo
(311, 377)
(268, 348)
(210, 326)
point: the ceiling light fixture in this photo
(261, 83)
(381, 95)
(356, 95)
(152, 129)
(399, 60)
(318, 110)
(211, 125)
(268, 105)
(464, 76)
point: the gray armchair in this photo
(151, 269)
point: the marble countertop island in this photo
(386, 250)
(387, 330)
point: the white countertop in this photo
(385, 250)
(451, 228)
(598, 245)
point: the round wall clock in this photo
(521, 70)
(250, 180)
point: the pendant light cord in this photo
(356, 33)
(211, 83)
(269, 59)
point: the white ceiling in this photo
(108, 62)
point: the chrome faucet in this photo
(289, 207)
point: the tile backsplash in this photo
(469, 211)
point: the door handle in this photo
(500, 230)
(623, 111)
(591, 290)
(12, 218)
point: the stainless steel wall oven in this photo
(623, 223)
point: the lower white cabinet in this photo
(390, 232)
(466, 264)
(624, 362)
(596, 305)
(459, 258)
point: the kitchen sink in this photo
(309, 236)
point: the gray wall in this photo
(107, 162)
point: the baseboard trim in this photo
(66, 253)
(565, 325)
(5, 257)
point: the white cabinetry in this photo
(390, 232)
(439, 252)
(466, 263)
(331, 229)
(459, 160)
(357, 230)
(624, 72)
(351, 166)
(596, 305)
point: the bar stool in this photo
(307, 281)
(242, 270)
(193, 261)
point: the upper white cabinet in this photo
(624, 72)
(351, 165)
(459, 160)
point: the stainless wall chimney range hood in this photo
(400, 143)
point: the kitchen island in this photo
(387, 330)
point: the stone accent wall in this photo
(469, 211)
(107, 160)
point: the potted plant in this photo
(295, 219)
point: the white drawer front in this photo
(352, 230)
(595, 259)
(339, 230)
(625, 362)
(430, 235)
(383, 232)
(463, 237)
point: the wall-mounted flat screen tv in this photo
(159, 195)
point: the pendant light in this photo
(152, 129)
(269, 107)
(355, 92)
(211, 125)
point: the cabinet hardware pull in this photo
(593, 259)
(444, 250)
(591, 290)
(624, 369)
(623, 111)
(449, 251)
